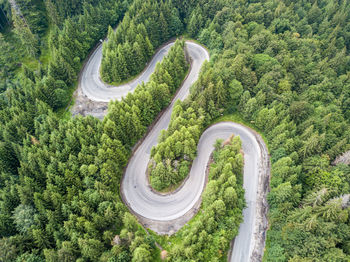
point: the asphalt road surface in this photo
(95, 89)
(158, 208)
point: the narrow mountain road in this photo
(95, 89)
(166, 214)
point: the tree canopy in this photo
(279, 66)
(146, 26)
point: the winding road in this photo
(166, 214)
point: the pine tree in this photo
(195, 23)
(164, 32)
(121, 64)
(244, 100)
(220, 93)
(70, 41)
(175, 23)
(107, 69)
(149, 47)
(130, 59)
(138, 56)
(59, 69)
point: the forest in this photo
(144, 28)
(281, 67)
(208, 236)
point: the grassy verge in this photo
(64, 112)
(170, 188)
(166, 242)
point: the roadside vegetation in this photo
(285, 69)
(60, 198)
(208, 235)
(173, 155)
(283, 66)
(146, 26)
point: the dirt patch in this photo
(84, 106)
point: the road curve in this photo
(95, 89)
(157, 208)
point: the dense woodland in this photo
(208, 236)
(282, 66)
(288, 63)
(172, 157)
(146, 26)
(62, 202)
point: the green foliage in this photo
(177, 147)
(208, 236)
(60, 179)
(27, 257)
(23, 217)
(292, 62)
(141, 254)
(35, 15)
(174, 150)
(282, 65)
(145, 27)
(4, 15)
(297, 99)
(58, 196)
(9, 57)
(128, 119)
(85, 31)
(8, 250)
(28, 39)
